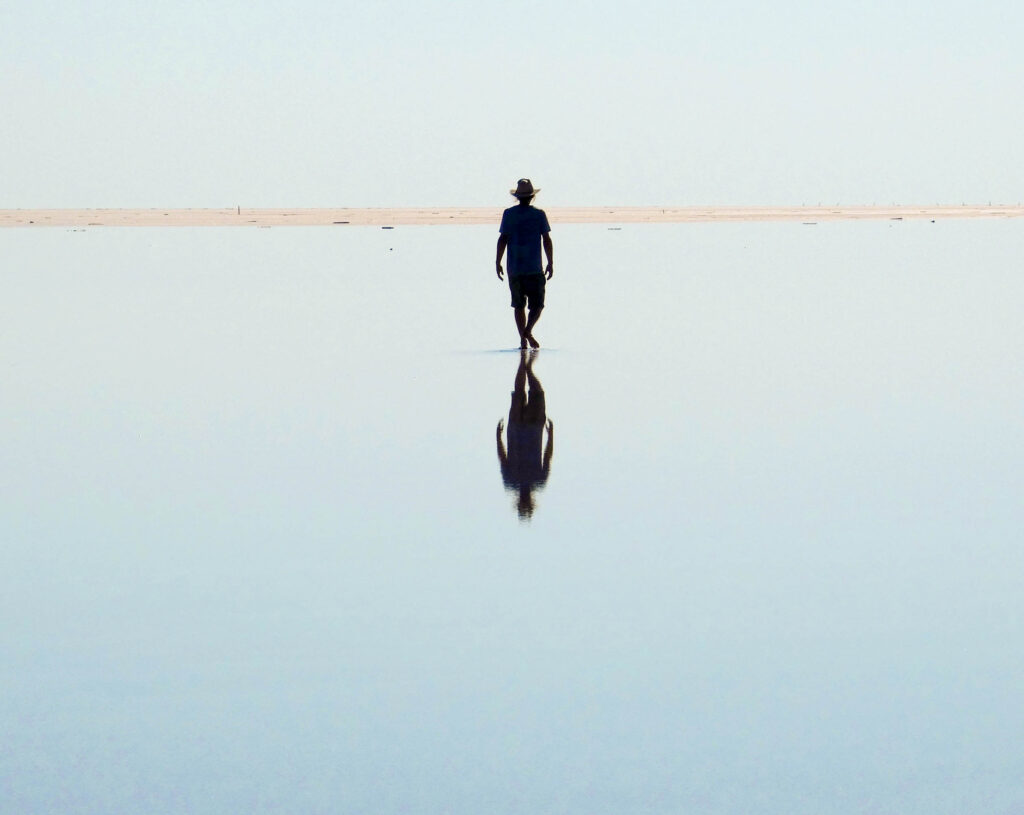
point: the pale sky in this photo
(316, 103)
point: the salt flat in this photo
(257, 554)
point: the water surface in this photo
(257, 553)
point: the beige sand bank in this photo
(81, 218)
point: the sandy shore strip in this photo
(425, 216)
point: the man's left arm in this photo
(549, 250)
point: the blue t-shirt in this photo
(523, 227)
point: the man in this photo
(523, 229)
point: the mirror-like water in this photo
(264, 545)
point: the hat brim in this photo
(517, 194)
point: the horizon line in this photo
(430, 216)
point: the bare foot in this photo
(522, 342)
(532, 341)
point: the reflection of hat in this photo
(524, 189)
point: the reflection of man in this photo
(523, 468)
(524, 228)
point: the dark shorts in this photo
(527, 287)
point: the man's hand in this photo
(502, 243)
(550, 270)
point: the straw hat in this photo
(524, 189)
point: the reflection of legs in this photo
(536, 410)
(524, 372)
(518, 406)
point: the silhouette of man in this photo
(524, 228)
(523, 468)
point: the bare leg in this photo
(521, 326)
(528, 328)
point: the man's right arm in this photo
(502, 243)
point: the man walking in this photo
(524, 229)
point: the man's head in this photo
(524, 191)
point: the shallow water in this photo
(257, 554)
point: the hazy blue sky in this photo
(316, 103)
